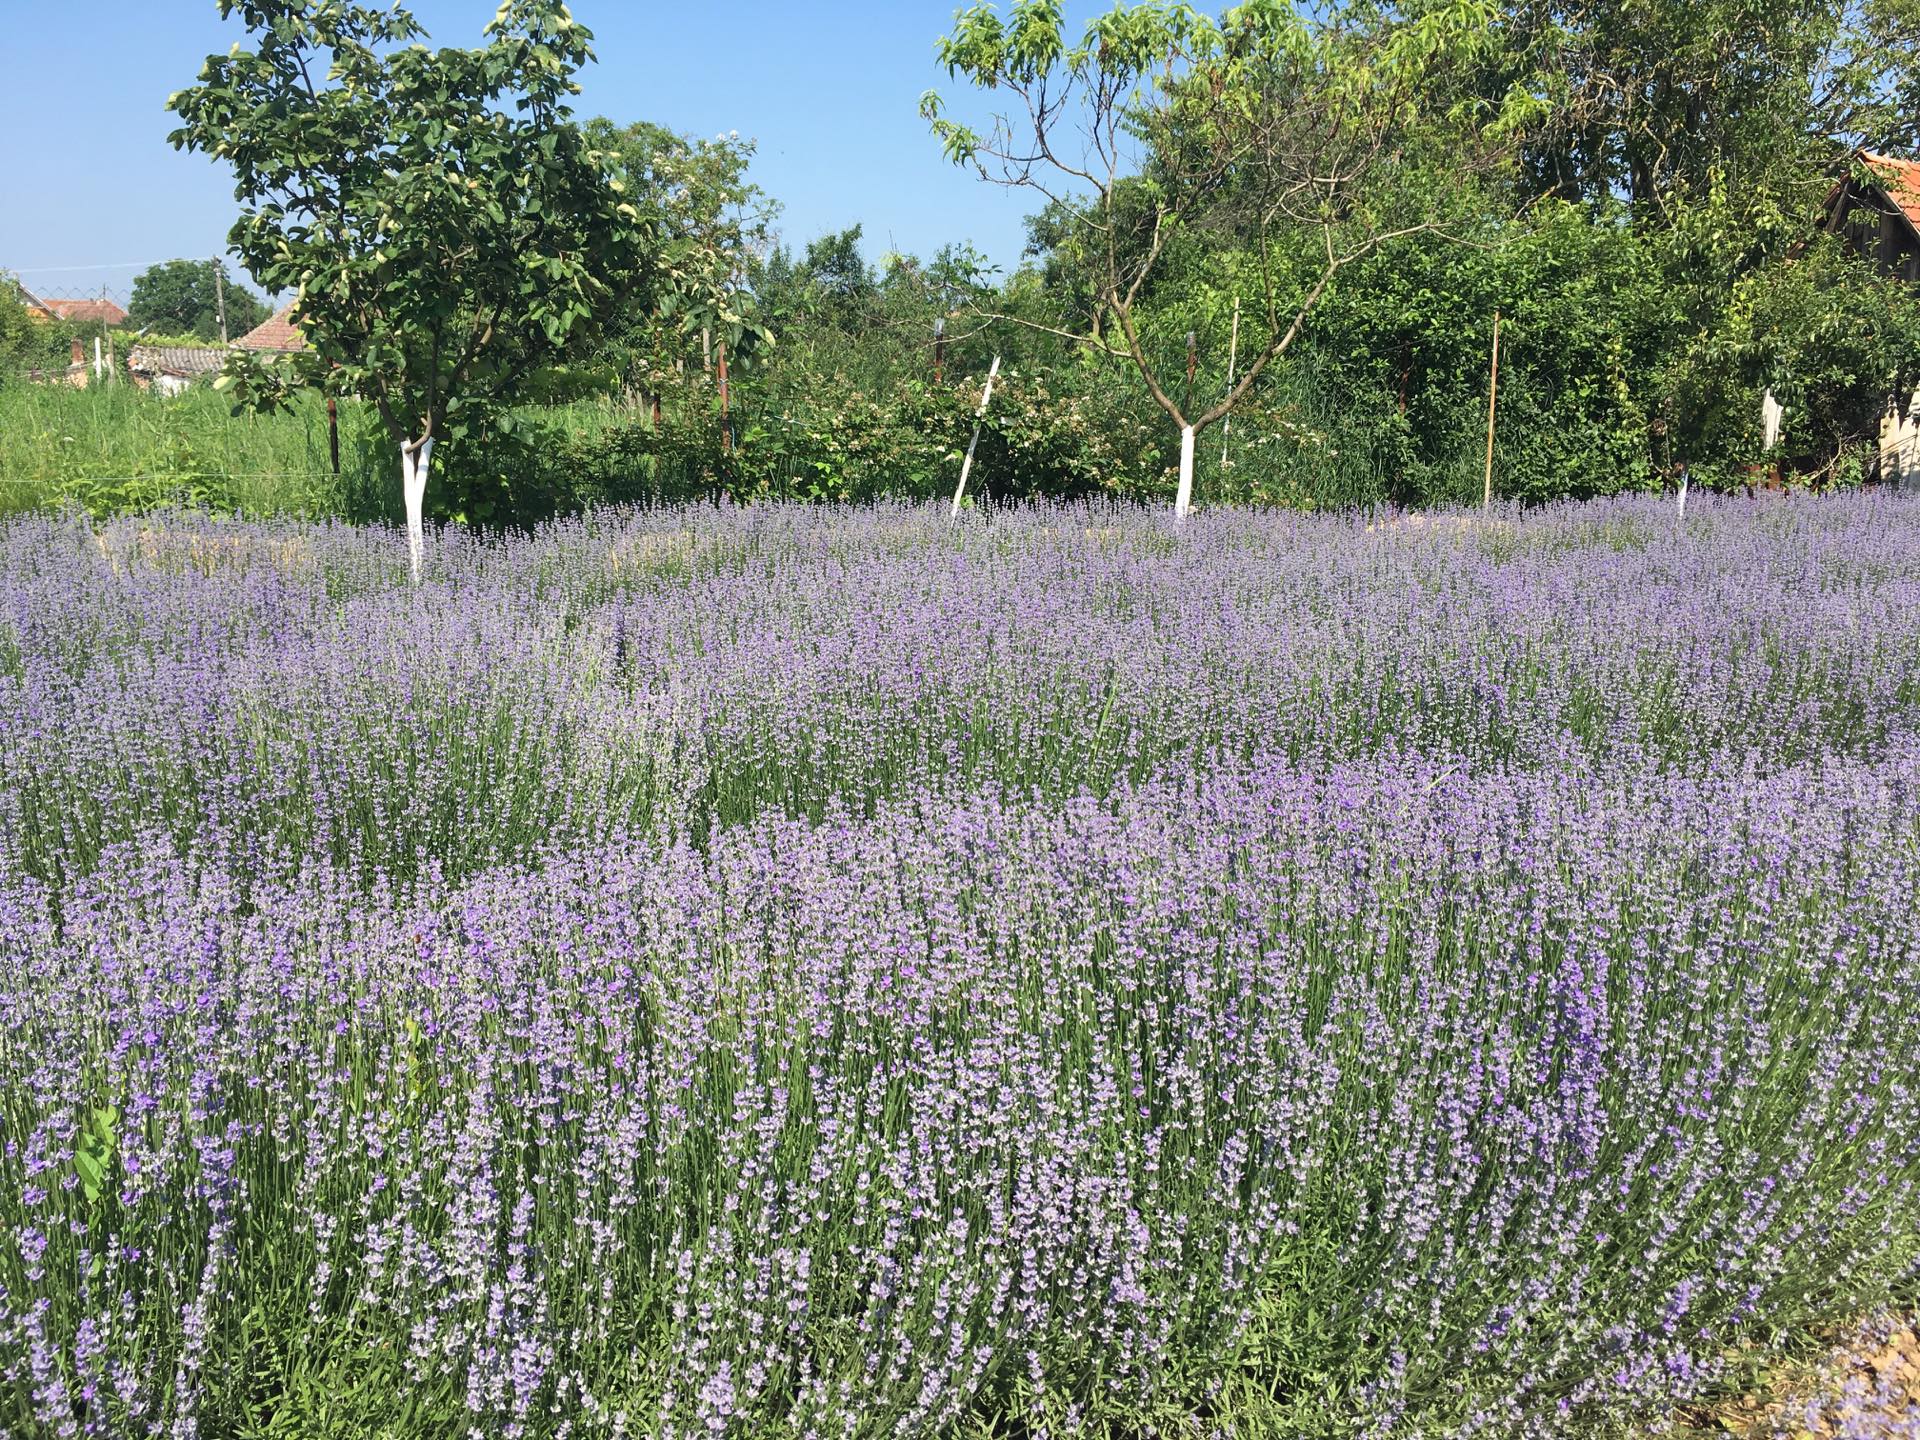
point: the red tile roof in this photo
(1900, 179)
(278, 332)
(87, 311)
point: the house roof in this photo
(88, 311)
(33, 301)
(1900, 180)
(175, 359)
(277, 332)
(1896, 179)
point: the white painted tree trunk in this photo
(1183, 501)
(414, 460)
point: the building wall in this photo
(1878, 234)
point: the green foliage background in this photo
(1652, 244)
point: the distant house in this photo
(1878, 214)
(37, 309)
(101, 311)
(169, 369)
(276, 334)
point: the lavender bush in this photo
(785, 972)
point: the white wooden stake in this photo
(1891, 434)
(1233, 353)
(1683, 492)
(99, 365)
(966, 465)
(1493, 397)
(1910, 463)
(1183, 502)
(414, 459)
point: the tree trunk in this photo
(415, 456)
(1183, 501)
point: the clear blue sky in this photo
(831, 92)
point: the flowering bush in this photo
(772, 971)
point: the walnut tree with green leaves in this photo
(448, 229)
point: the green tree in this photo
(1314, 134)
(712, 226)
(185, 297)
(1657, 101)
(450, 231)
(19, 346)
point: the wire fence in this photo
(99, 307)
(76, 303)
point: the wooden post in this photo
(726, 423)
(333, 431)
(966, 465)
(1493, 398)
(220, 296)
(1233, 354)
(939, 349)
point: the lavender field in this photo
(808, 973)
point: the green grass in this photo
(115, 449)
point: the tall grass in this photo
(113, 449)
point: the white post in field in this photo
(1890, 437)
(414, 459)
(1493, 400)
(1233, 353)
(1183, 501)
(1683, 492)
(966, 465)
(99, 365)
(1910, 467)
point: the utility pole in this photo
(220, 296)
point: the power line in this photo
(73, 269)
